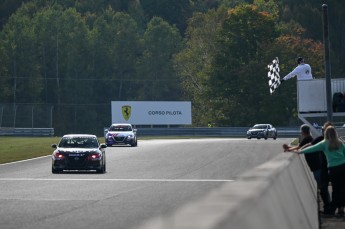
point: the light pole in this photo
(327, 62)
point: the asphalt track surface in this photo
(153, 179)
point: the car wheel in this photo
(258, 138)
(101, 170)
(134, 143)
(249, 137)
(55, 170)
(275, 137)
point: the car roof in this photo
(80, 135)
(121, 124)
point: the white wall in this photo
(152, 113)
(312, 94)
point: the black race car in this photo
(79, 152)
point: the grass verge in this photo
(21, 148)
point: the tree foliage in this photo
(161, 41)
(212, 52)
(232, 80)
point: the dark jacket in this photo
(313, 159)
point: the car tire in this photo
(55, 170)
(101, 170)
(249, 137)
(134, 144)
(258, 138)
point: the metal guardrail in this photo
(196, 131)
(26, 131)
(209, 132)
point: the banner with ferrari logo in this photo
(126, 112)
(152, 112)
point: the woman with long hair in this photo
(334, 150)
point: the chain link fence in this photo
(64, 118)
(26, 116)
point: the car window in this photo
(78, 142)
(260, 127)
(120, 128)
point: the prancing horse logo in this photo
(126, 112)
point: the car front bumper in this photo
(123, 140)
(256, 134)
(76, 164)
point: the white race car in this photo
(262, 131)
(121, 134)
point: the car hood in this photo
(77, 150)
(120, 133)
(257, 129)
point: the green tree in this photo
(47, 34)
(174, 12)
(71, 57)
(115, 42)
(5, 78)
(283, 102)
(7, 8)
(308, 14)
(238, 54)
(195, 60)
(158, 79)
(19, 45)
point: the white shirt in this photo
(302, 71)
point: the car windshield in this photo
(260, 127)
(78, 142)
(120, 128)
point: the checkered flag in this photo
(273, 75)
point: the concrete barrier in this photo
(278, 194)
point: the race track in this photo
(155, 178)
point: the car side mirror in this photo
(103, 145)
(54, 146)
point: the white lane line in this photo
(110, 179)
(31, 159)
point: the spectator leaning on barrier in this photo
(313, 160)
(323, 181)
(334, 151)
